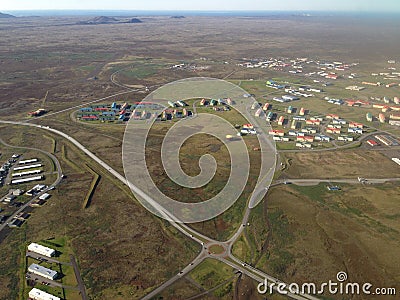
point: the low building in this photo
(17, 192)
(396, 160)
(15, 223)
(42, 271)
(345, 138)
(339, 121)
(322, 138)
(42, 250)
(36, 294)
(372, 143)
(394, 123)
(299, 118)
(313, 122)
(355, 130)
(395, 116)
(356, 125)
(333, 130)
(9, 198)
(306, 138)
(277, 132)
(332, 116)
(259, 113)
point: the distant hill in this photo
(6, 16)
(177, 17)
(134, 20)
(100, 20)
(108, 20)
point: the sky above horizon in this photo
(306, 5)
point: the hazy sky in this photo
(334, 5)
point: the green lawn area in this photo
(211, 273)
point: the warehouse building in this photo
(42, 271)
(42, 250)
(37, 294)
(30, 179)
(28, 161)
(28, 167)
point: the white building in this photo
(37, 294)
(42, 250)
(45, 196)
(42, 271)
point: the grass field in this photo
(315, 233)
(339, 164)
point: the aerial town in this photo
(111, 124)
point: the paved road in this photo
(81, 285)
(55, 183)
(332, 180)
(37, 256)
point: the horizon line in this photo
(200, 10)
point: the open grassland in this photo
(313, 234)
(212, 273)
(224, 225)
(339, 164)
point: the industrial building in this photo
(36, 189)
(26, 173)
(387, 140)
(42, 250)
(36, 294)
(28, 161)
(25, 180)
(27, 167)
(42, 271)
